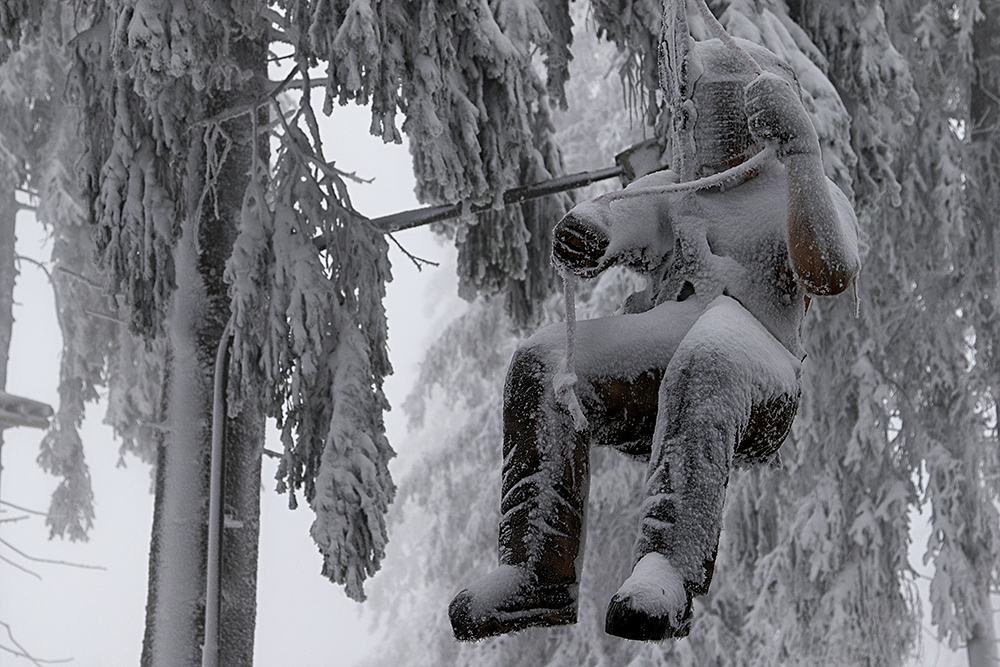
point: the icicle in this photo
(565, 381)
(857, 298)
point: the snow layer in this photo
(656, 588)
(564, 381)
(731, 239)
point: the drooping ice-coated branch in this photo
(310, 338)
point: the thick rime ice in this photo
(717, 339)
(656, 587)
(730, 259)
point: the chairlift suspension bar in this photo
(424, 216)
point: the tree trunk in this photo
(244, 440)
(984, 191)
(8, 275)
(982, 646)
(176, 597)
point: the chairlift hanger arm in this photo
(423, 216)
(419, 217)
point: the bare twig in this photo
(275, 35)
(302, 83)
(328, 169)
(23, 509)
(417, 261)
(23, 652)
(21, 567)
(351, 175)
(227, 114)
(49, 560)
(273, 16)
(990, 94)
(280, 88)
(80, 277)
(249, 107)
(31, 260)
(15, 519)
(102, 316)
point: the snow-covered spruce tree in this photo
(926, 332)
(948, 376)
(164, 196)
(38, 133)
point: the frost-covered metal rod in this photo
(210, 650)
(20, 411)
(424, 216)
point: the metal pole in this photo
(424, 216)
(210, 650)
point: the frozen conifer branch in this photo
(275, 262)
